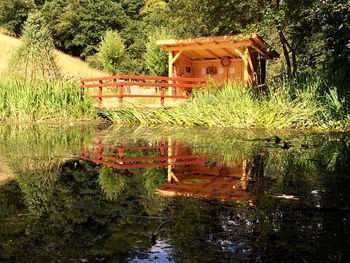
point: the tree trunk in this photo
(285, 53)
(294, 64)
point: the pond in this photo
(136, 194)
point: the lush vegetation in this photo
(312, 104)
(119, 36)
(310, 34)
(43, 100)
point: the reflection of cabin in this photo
(208, 179)
(225, 58)
(188, 174)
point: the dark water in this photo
(128, 194)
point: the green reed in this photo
(281, 105)
(42, 100)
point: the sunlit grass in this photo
(43, 100)
(280, 106)
(71, 67)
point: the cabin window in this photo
(212, 70)
(188, 69)
(232, 70)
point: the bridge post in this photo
(100, 95)
(121, 93)
(162, 94)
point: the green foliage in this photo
(13, 13)
(112, 183)
(156, 57)
(35, 58)
(155, 14)
(78, 26)
(112, 52)
(42, 100)
(282, 106)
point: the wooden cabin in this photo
(225, 58)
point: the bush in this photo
(112, 52)
(156, 58)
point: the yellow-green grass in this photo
(43, 100)
(238, 107)
(71, 67)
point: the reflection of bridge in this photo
(188, 174)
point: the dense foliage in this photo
(311, 104)
(310, 34)
(43, 100)
(35, 58)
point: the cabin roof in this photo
(218, 47)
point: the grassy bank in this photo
(43, 100)
(311, 104)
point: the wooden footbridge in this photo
(130, 86)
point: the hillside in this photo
(70, 66)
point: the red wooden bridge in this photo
(163, 87)
(114, 156)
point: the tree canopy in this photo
(309, 34)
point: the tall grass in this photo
(42, 100)
(282, 105)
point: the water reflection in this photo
(188, 174)
(226, 188)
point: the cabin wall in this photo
(183, 67)
(199, 69)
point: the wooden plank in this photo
(170, 64)
(211, 52)
(169, 162)
(180, 158)
(228, 44)
(135, 77)
(230, 53)
(176, 57)
(144, 84)
(197, 54)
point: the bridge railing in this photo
(163, 87)
(117, 157)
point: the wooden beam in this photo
(178, 54)
(211, 52)
(228, 44)
(244, 56)
(240, 53)
(228, 51)
(186, 56)
(170, 154)
(196, 54)
(170, 65)
(258, 48)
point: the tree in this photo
(35, 58)
(13, 13)
(78, 25)
(211, 17)
(155, 57)
(112, 52)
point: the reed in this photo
(282, 105)
(42, 100)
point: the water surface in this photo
(131, 194)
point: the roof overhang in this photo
(218, 47)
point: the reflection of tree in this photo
(68, 216)
(76, 208)
(112, 182)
